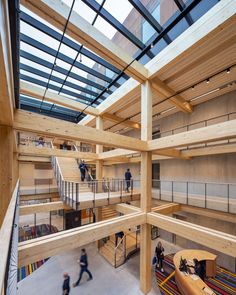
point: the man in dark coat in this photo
(83, 267)
(83, 168)
(128, 177)
(66, 284)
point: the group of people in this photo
(83, 261)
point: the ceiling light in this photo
(151, 45)
(208, 81)
(193, 87)
(228, 71)
(80, 57)
(209, 92)
(168, 110)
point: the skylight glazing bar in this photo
(148, 16)
(59, 69)
(56, 79)
(181, 5)
(30, 41)
(78, 97)
(115, 23)
(50, 32)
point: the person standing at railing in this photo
(83, 168)
(128, 177)
(119, 235)
(41, 141)
(83, 267)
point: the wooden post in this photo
(6, 171)
(99, 173)
(146, 188)
(99, 149)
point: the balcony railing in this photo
(9, 246)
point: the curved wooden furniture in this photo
(192, 284)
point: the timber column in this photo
(146, 188)
(99, 171)
(6, 171)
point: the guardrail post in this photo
(228, 208)
(77, 195)
(187, 193)
(205, 195)
(172, 191)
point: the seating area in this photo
(224, 282)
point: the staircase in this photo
(117, 256)
(108, 213)
(70, 172)
(109, 249)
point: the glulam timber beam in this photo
(39, 197)
(42, 208)
(220, 131)
(56, 13)
(210, 150)
(207, 26)
(54, 244)
(176, 99)
(213, 239)
(228, 217)
(125, 208)
(48, 152)
(167, 208)
(122, 121)
(54, 127)
(38, 92)
(6, 70)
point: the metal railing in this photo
(73, 193)
(196, 125)
(210, 195)
(9, 246)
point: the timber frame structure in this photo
(169, 83)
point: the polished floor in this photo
(107, 280)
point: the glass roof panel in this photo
(34, 65)
(36, 52)
(103, 26)
(23, 72)
(82, 9)
(38, 35)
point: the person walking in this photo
(66, 284)
(128, 177)
(160, 255)
(82, 168)
(83, 267)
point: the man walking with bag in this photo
(83, 267)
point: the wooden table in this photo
(192, 284)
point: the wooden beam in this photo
(228, 217)
(47, 246)
(202, 235)
(54, 127)
(122, 121)
(6, 71)
(125, 208)
(38, 92)
(115, 153)
(42, 208)
(34, 159)
(210, 150)
(39, 197)
(209, 24)
(56, 13)
(177, 99)
(48, 152)
(220, 131)
(167, 208)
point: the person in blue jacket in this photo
(83, 267)
(128, 177)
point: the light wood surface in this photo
(192, 284)
(66, 130)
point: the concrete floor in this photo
(107, 280)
